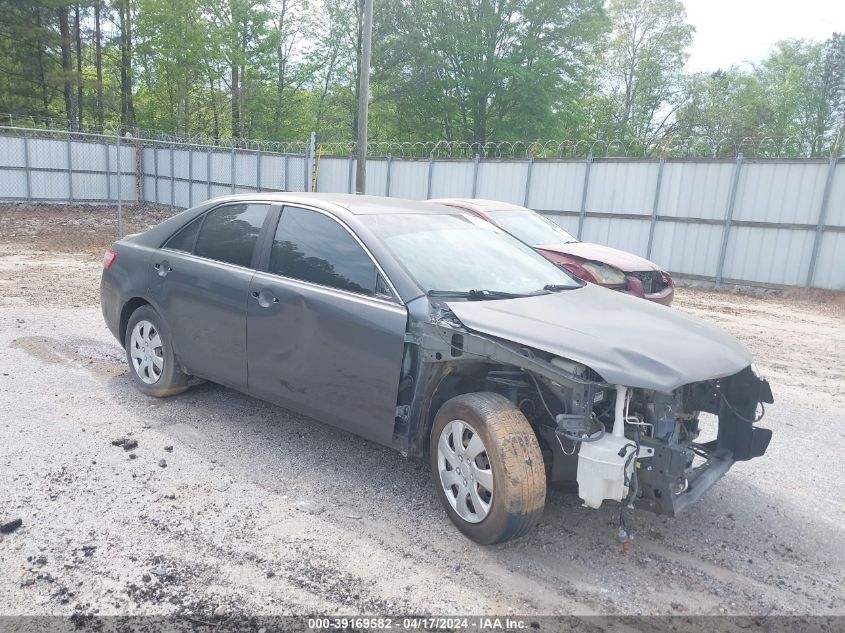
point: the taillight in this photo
(108, 259)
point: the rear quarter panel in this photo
(127, 278)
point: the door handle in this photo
(163, 268)
(265, 297)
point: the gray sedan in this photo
(431, 331)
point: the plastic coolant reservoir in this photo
(601, 472)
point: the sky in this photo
(730, 32)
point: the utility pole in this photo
(364, 99)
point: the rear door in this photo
(201, 283)
(325, 333)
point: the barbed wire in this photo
(61, 128)
(702, 146)
(682, 147)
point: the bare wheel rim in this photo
(465, 471)
(147, 352)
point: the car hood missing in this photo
(626, 340)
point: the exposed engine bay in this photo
(631, 445)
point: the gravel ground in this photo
(234, 506)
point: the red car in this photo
(594, 263)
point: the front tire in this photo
(149, 352)
(487, 467)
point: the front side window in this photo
(531, 228)
(311, 246)
(229, 233)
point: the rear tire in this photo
(481, 441)
(149, 352)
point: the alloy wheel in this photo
(146, 352)
(465, 471)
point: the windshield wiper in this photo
(477, 295)
(556, 287)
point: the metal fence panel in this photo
(695, 189)
(12, 152)
(622, 233)
(780, 192)
(503, 181)
(296, 174)
(452, 179)
(759, 221)
(13, 185)
(246, 172)
(830, 266)
(557, 185)
(836, 200)
(687, 248)
(181, 164)
(376, 176)
(622, 187)
(334, 175)
(47, 153)
(768, 255)
(409, 179)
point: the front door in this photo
(324, 337)
(200, 282)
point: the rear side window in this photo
(313, 247)
(185, 237)
(230, 232)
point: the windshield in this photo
(531, 228)
(461, 253)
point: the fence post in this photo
(172, 179)
(155, 167)
(729, 214)
(309, 162)
(387, 177)
(207, 173)
(528, 181)
(817, 240)
(26, 168)
(119, 186)
(430, 173)
(232, 166)
(654, 207)
(476, 160)
(582, 214)
(108, 166)
(69, 171)
(139, 172)
(349, 175)
(258, 170)
(190, 175)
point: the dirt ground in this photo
(232, 505)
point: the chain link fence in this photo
(739, 219)
(54, 165)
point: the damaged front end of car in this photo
(636, 445)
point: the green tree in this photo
(723, 106)
(484, 69)
(644, 68)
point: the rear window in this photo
(229, 233)
(185, 237)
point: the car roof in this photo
(480, 204)
(353, 203)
